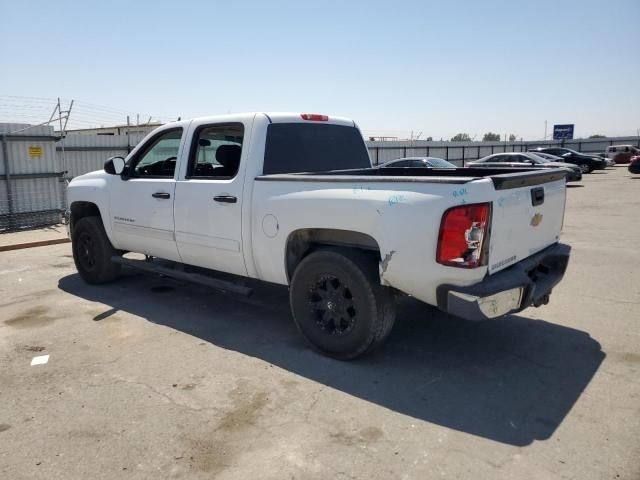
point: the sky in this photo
(434, 68)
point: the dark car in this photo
(587, 163)
(418, 162)
(526, 160)
(634, 164)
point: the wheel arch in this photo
(80, 209)
(304, 241)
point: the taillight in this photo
(314, 117)
(463, 235)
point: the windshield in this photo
(439, 163)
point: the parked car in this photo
(548, 156)
(634, 164)
(587, 163)
(622, 154)
(609, 162)
(221, 194)
(416, 162)
(528, 160)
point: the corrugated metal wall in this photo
(22, 162)
(32, 189)
(460, 152)
(80, 154)
(86, 153)
(40, 164)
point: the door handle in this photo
(225, 199)
(161, 195)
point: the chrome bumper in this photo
(528, 282)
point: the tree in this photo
(491, 137)
(597, 135)
(461, 137)
(512, 137)
(429, 139)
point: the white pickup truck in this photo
(293, 199)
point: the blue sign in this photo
(563, 132)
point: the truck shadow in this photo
(512, 380)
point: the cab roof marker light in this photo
(314, 117)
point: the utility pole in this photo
(128, 135)
(63, 129)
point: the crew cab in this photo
(293, 199)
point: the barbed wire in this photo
(28, 109)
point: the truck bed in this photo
(502, 178)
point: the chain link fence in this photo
(32, 203)
(32, 186)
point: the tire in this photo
(338, 304)
(92, 252)
(586, 168)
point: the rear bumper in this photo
(528, 282)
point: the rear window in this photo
(303, 147)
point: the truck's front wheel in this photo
(92, 251)
(338, 304)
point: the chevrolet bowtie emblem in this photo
(536, 219)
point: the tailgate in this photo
(527, 217)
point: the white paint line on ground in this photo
(40, 360)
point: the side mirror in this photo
(114, 165)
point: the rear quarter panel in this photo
(403, 217)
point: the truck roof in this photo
(273, 117)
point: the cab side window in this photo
(216, 151)
(158, 159)
(404, 163)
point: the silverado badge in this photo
(536, 219)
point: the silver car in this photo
(526, 160)
(416, 162)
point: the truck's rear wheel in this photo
(338, 304)
(92, 252)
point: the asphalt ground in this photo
(153, 378)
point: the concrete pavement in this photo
(152, 378)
